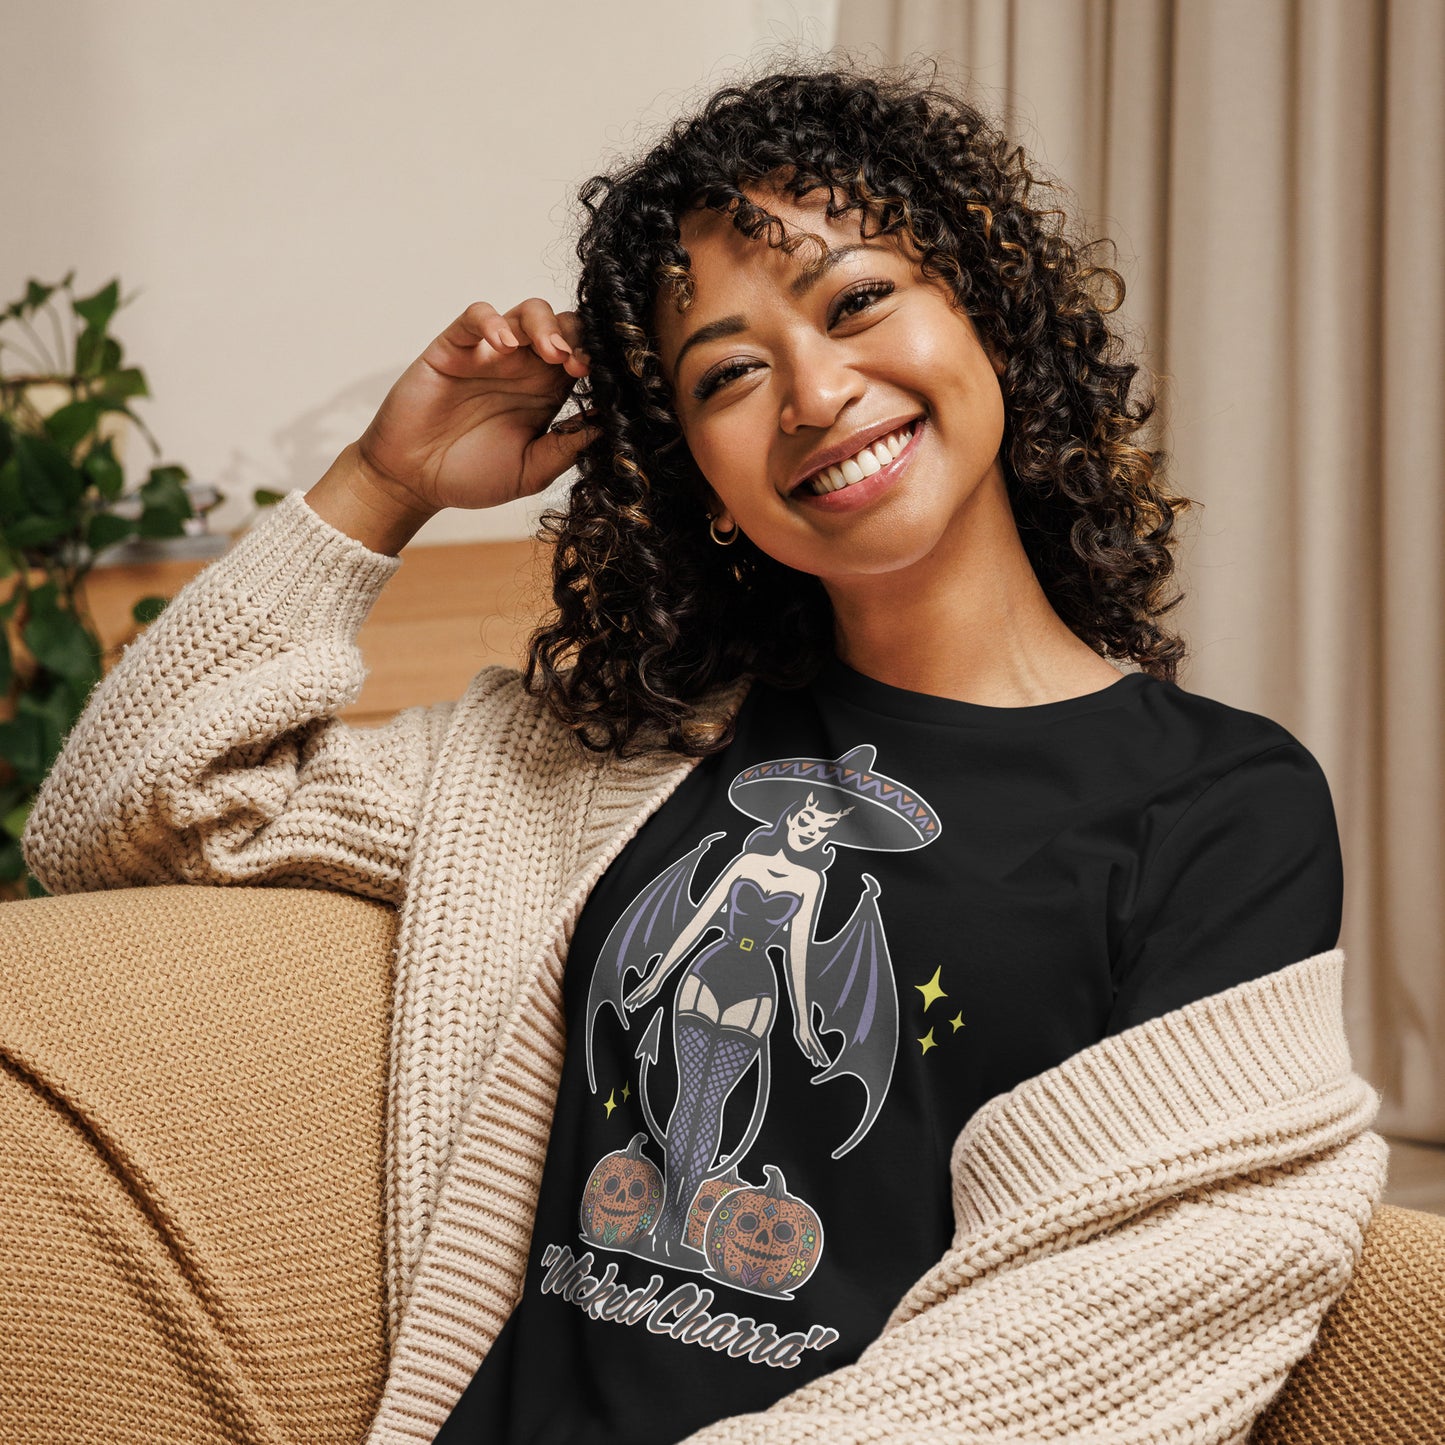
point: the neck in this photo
(968, 620)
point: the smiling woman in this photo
(828, 319)
(831, 1003)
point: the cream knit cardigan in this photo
(1148, 1234)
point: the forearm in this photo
(209, 753)
(356, 501)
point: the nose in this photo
(820, 382)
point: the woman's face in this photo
(781, 366)
(810, 825)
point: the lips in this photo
(838, 496)
(847, 449)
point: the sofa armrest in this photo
(1376, 1371)
(192, 1085)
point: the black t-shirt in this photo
(881, 908)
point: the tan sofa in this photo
(191, 1126)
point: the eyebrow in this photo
(726, 326)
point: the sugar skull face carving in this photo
(764, 1239)
(622, 1197)
(709, 1193)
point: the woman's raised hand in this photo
(467, 424)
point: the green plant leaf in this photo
(71, 422)
(102, 468)
(53, 708)
(61, 643)
(90, 352)
(52, 485)
(22, 745)
(35, 531)
(167, 507)
(71, 697)
(130, 381)
(12, 861)
(36, 295)
(12, 494)
(166, 484)
(7, 670)
(44, 597)
(264, 498)
(14, 821)
(96, 310)
(148, 609)
(109, 356)
(105, 529)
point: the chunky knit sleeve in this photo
(210, 752)
(1148, 1238)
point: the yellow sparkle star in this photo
(957, 1021)
(626, 1092)
(928, 1040)
(931, 990)
(610, 1104)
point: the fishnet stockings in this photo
(710, 1061)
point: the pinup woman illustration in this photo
(767, 898)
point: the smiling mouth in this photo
(865, 463)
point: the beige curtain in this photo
(1274, 174)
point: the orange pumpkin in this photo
(705, 1201)
(622, 1197)
(764, 1238)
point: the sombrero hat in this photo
(894, 819)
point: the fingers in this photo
(484, 333)
(548, 456)
(481, 322)
(555, 338)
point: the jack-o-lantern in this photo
(764, 1238)
(622, 1197)
(705, 1201)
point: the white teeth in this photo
(871, 459)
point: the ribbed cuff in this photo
(322, 580)
(1258, 1046)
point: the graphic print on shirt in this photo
(709, 1207)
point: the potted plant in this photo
(64, 408)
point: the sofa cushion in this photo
(192, 1086)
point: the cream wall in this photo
(302, 196)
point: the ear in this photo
(716, 510)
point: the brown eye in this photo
(859, 299)
(719, 377)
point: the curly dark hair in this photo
(649, 613)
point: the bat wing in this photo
(850, 980)
(646, 928)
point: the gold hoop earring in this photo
(725, 541)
